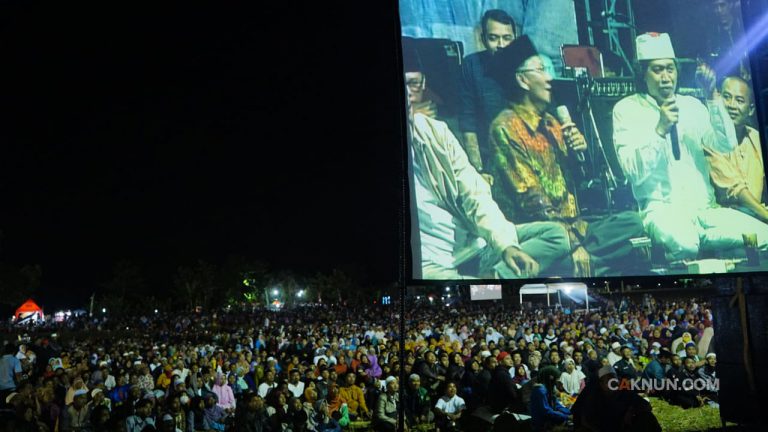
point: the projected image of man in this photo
(480, 95)
(455, 208)
(660, 139)
(739, 176)
(532, 158)
(727, 31)
(417, 93)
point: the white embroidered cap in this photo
(652, 46)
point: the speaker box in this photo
(578, 98)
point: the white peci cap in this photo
(652, 46)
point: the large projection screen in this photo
(581, 138)
(484, 292)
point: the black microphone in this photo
(675, 142)
(674, 138)
(565, 119)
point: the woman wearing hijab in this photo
(224, 393)
(373, 370)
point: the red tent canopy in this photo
(29, 307)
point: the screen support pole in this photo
(401, 393)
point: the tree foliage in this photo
(197, 285)
(19, 283)
(126, 290)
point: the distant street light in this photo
(103, 310)
(274, 292)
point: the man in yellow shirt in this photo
(739, 176)
(353, 394)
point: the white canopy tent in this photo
(554, 288)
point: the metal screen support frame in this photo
(613, 26)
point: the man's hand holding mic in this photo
(573, 138)
(668, 116)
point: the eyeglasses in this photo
(540, 69)
(415, 84)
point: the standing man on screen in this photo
(480, 96)
(725, 35)
(739, 176)
(660, 140)
(455, 208)
(532, 158)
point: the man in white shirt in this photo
(660, 139)
(449, 408)
(268, 384)
(295, 385)
(181, 371)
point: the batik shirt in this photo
(528, 159)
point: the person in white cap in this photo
(615, 354)
(388, 407)
(709, 374)
(98, 398)
(75, 417)
(661, 140)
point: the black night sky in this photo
(167, 133)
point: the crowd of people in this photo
(335, 368)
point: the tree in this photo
(19, 283)
(243, 279)
(334, 285)
(197, 284)
(125, 290)
(290, 284)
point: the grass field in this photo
(672, 419)
(675, 419)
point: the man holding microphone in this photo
(660, 139)
(532, 158)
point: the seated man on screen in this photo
(455, 208)
(660, 139)
(418, 94)
(532, 158)
(739, 176)
(480, 96)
